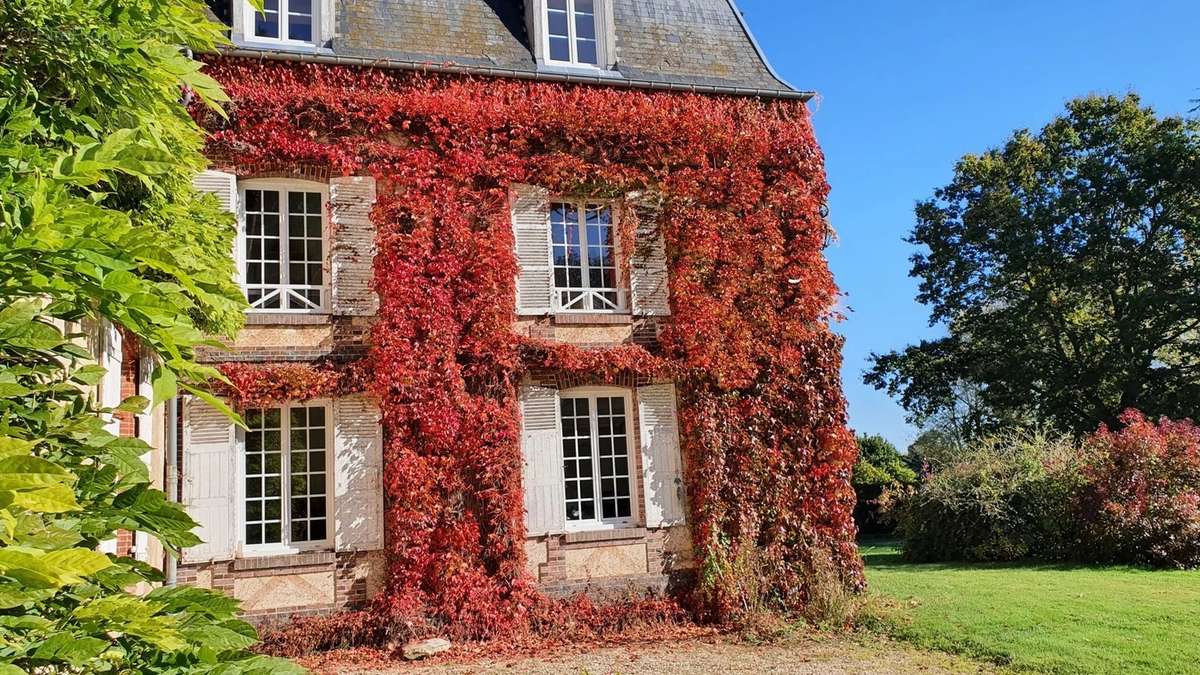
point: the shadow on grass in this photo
(887, 553)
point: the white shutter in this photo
(219, 183)
(545, 503)
(351, 256)
(648, 272)
(662, 468)
(209, 480)
(358, 469)
(531, 229)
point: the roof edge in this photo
(568, 78)
(762, 55)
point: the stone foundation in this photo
(275, 588)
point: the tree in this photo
(880, 467)
(1066, 268)
(99, 223)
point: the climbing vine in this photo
(737, 185)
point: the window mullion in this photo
(593, 402)
(583, 248)
(285, 478)
(571, 31)
(285, 267)
(283, 20)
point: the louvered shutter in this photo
(648, 271)
(219, 183)
(209, 480)
(531, 229)
(351, 200)
(545, 504)
(358, 468)
(662, 467)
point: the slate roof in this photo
(681, 44)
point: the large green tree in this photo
(1065, 266)
(99, 224)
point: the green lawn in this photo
(1043, 618)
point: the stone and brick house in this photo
(291, 508)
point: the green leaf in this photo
(19, 472)
(35, 335)
(89, 374)
(134, 404)
(217, 403)
(16, 316)
(10, 446)
(75, 650)
(51, 499)
(164, 384)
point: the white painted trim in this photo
(599, 523)
(243, 28)
(539, 29)
(283, 185)
(285, 547)
(624, 304)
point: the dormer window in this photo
(287, 22)
(573, 32)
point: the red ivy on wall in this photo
(738, 185)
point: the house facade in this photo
(292, 508)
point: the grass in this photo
(1042, 618)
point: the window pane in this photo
(263, 503)
(577, 458)
(558, 23)
(615, 495)
(587, 52)
(266, 23)
(560, 49)
(585, 27)
(307, 481)
(300, 21)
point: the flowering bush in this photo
(1141, 503)
(737, 186)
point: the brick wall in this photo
(130, 376)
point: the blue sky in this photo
(906, 88)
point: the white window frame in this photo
(284, 185)
(588, 293)
(249, 13)
(600, 10)
(287, 547)
(600, 522)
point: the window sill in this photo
(286, 319)
(275, 561)
(595, 536)
(281, 46)
(585, 319)
(579, 70)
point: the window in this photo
(284, 249)
(286, 471)
(286, 21)
(583, 251)
(595, 450)
(572, 32)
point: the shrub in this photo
(1007, 497)
(880, 467)
(1141, 500)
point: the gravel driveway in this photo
(821, 655)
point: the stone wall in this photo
(273, 589)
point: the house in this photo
(292, 508)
